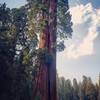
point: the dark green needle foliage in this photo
(64, 24)
(6, 52)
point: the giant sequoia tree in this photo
(30, 36)
(51, 21)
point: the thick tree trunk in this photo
(52, 32)
(43, 84)
(48, 40)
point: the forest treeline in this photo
(85, 90)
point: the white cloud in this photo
(80, 15)
(77, 14)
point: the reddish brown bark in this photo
(46, 81)
(52, 30)
(42, 77)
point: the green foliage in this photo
(6, 53)
(64, 24)
(26, 57)
(35, 21)
(5, 22)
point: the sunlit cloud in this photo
(80, 15)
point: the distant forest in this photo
(85, 90)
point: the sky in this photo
(14, 3)
(82, 53)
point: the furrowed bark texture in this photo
(52, 32)
(47, 80)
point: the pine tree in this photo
(99, 89)
(84, 85)
(90, 90)
(81, 94)
(22, 81)
(75, 90)
(6, 53)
